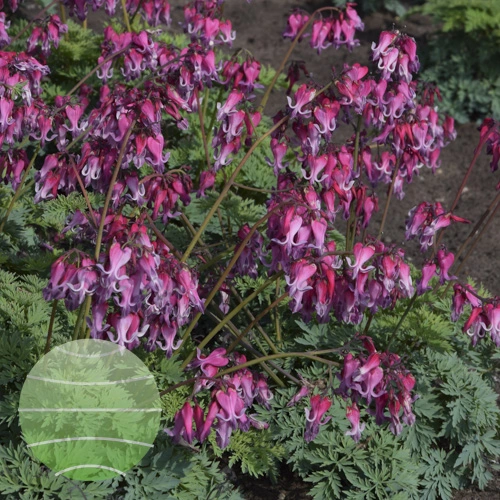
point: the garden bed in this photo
(259, 26)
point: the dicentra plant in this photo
(219, 289)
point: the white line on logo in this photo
(69, 382)
(90, 438)
(116, 351)
(90, 466)
(89, 409)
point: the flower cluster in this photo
(4, 26)
(22, 113)
(315, 416)
(425, 220)
(303, 210)
(396, 55)
(44, 34)
(155, 12)
(484, 316)
(136, 286)
(337, 30)
(201, 21)
(230, 397)
(233, 122)
(318, 279)
(379, 378)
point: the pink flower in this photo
(445, 261)
(207, 181)
(492, 313)
(314, 416)
(353, 415)
(126, 328)
(118, 258)
(204, 425)
(362, 255)
(229, 106)
(385, 40)
(463, 295)
(321, 34)
(326, 116)
(428, 272)
(369, 375)
(183, 425)
(303, 97)
(279, 151)
(298, 279)
(295, 23)
(302, 393)
(232, 410)
(210, 364)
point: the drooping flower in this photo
(314, 416)
(353, 415)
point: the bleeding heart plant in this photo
(131, 285)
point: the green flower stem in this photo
(493, 207)
(78, 323)
(226, 189)
(19, 190)
(368, 323)
(221, 225)
(84, 191)
(226, 319)
(478, 224)
(85, 307)
(51, 327)
(126, 20)
(250, 315)
(277, 324)
(260, 190)
(226, 272)
(269, 89)
(136, 12)
(313, 355)
(351, 223)
(388, 200)
(402, 319)
(242, 335)
(215, 314)
(160, 236)
(62, 13)
(214, 260)
(203, 131)
(265, 365)
(210, 127)
(309, 355)
(110, 191)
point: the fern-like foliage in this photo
(469, 83)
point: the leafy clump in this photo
(459, 58)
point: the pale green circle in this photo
(90, 410)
